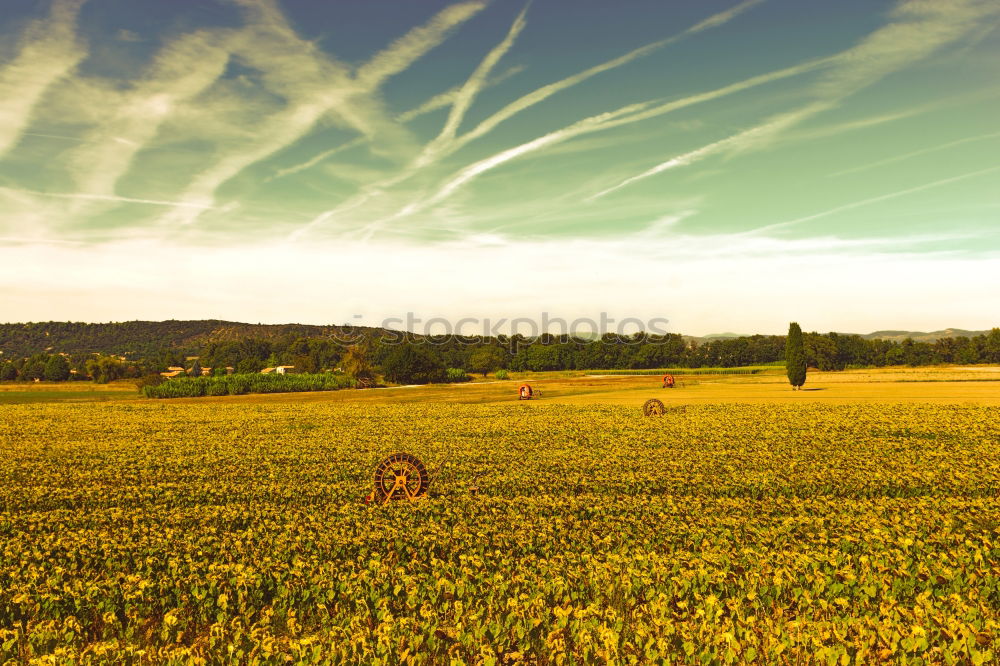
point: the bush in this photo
(152, 379)
(503, 374)
(454, 375)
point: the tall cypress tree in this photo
(795, 357)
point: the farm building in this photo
(279, 370)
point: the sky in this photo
(723, 165)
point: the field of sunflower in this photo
(235, 533)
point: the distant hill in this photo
(140, 338)
(725, 336)
(917, 336)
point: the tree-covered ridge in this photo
(140, 339)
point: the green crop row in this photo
(194, 387)
(689, 371)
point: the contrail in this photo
(547, 91)
(321, 87)
(701, 153)
(884, 197)
(110, 197)
(919, 30)
(915, 153)
(467, 93)
(439, 101)
(605, 121)
(535, 97)
(50, 52)
(447, 98)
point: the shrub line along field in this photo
(856, 524)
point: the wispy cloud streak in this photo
(916, 153)
(448, 97)
(105, 197)
(447, 143)
(874, 200)
(541, 94)
(467, 93)
(49, 51)
(602, 122)
(182, 71)
(917, 29)
(439, 101)
(415, 44)
(314, 86)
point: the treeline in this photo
(76, 367)
(830, 351)
(417, 359)
(833, 351)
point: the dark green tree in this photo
(8, 372)
(195, 370)
(413, 364)
(104, 369)
(57, 369)
(991, 346)
(249, 366)
(486, 360)
(795, 357)
(356, 364)
(34, 368)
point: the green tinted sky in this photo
(725, 165)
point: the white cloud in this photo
(699, 283)
(541, 94)
(448, 97)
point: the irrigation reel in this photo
(527, 393)
(400, 476)
(669, 382)
(653, 407)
